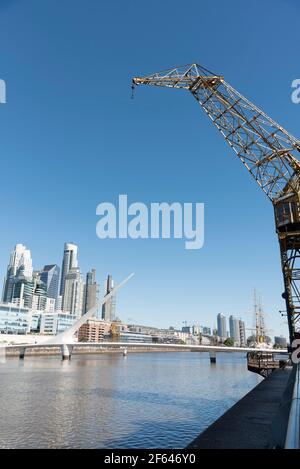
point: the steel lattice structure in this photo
(265, 148)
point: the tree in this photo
(251, 340)
(229, 342)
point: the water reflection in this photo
(106, 401)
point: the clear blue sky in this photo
(71, 138)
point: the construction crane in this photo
(267, 151)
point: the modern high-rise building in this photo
(20, 265)
(50, 277)
(234, 329)
(91, 291)
(58, 303)
(109, 308)
(206, 330)
(51, 305)
(73, 292)
(280, 342)
(22, 292)
(29, 293)
(39, 299)
(69, 262)
(14, 319)
(222, 328)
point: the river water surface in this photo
(144, 400)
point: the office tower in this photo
(20, 265)
(187, 329)
(39, 298)
(22, 292)
(29, 292)
(234, 329)
(69, 262)
(109, 308)
(196, 329)
(206, 330)
(280, 342)
(50, 277)
(51, 305)
(73, 292)
(58, 303)
(91, 291)
(242, 333)
(222, 329)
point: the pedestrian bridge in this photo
(67, 348)
(67, 343)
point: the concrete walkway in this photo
(254, 421)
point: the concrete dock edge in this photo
(257, 421)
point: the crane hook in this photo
(132, 91)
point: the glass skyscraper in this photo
(91, 291)
(222, 329)
(234, 329)
(109, 308)
(73, 293)
(69, 262)
(20, 265)
(50, 277)
(29, 293)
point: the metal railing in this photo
(292, 440)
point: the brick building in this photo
(94, 330)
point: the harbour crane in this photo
(267, 151)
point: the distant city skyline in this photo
(77, 294)
(38, 289)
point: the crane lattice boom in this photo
(266, 149)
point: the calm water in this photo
(107, 401)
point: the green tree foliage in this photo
(229, 342)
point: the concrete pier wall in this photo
(257, 421)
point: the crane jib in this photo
(265, 148)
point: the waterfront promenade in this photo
(258, 421)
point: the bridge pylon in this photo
(66, 351)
